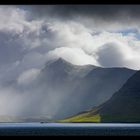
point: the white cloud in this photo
(80, 46)
(69, 38)
(15, 19)
(113, 54)
(27, 77)
(74, 55)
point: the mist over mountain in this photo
(66, 89)
(62, 89)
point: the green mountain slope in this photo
(87, 116)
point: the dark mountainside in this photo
(123, 106)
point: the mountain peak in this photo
(61, 60)
(58, 61)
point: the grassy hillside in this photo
(85, 117)
(97, 118)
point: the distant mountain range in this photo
(123, 106)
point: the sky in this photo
(101, 35)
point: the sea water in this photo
(69, 129)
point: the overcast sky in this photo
(102, 35)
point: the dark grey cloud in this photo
(10, 48)
(107, 12)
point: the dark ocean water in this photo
(65, 129)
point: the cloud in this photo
(74, 55)
(28, 76)
(113, 54)
(97, 17)
(38, 36)
(107, 12)
(105, 49)
(32, 59)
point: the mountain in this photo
(62, 89)
(123, 106)
(60, 72)
(78, 88)
(100, 84)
